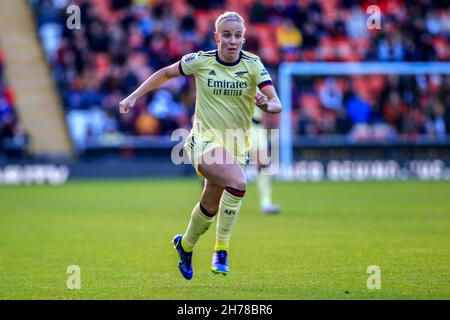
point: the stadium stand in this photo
(122, 42)
(13, 138)
(30, 77)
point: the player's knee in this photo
(238, 182)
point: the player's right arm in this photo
(153, 82)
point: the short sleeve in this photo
(189, 63)
(262, 76)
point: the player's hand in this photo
(261, 101)
(126, 104)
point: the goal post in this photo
(288, 70)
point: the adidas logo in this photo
(212, 73)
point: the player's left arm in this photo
(267, 100)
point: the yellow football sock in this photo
(229, 208)
(264, 184)
(198, 225)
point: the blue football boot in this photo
(220, 262)
(185, 262)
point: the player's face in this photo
(230, 38)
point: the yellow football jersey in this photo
(225, 95)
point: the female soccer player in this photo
(226, 82)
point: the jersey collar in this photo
(228, 64)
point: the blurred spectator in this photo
(306, 124)
(435, 123)
(343, 123)
(86, 125)
(330, 95)
(12, 133)
(171, 115)
(289, 39)
(259, 12)
(394, 111)
(444, 98)
(147, 124)
(50, 34)
(310, 36)
(356, 24)
(359, 110)
(390, 48)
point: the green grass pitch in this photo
(319, 247)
